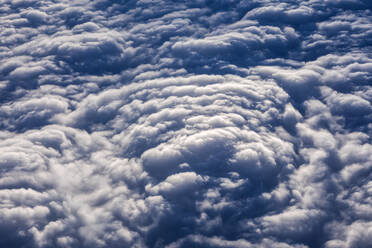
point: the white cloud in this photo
(204, 123)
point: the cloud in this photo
(169, 124)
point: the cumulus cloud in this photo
(185, 124)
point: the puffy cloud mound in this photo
(186, 124)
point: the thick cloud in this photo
(185, 124)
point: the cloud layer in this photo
(173, 124)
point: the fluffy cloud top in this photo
(185, 124)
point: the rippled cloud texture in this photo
(186, 123)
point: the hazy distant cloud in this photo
(172, 124)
